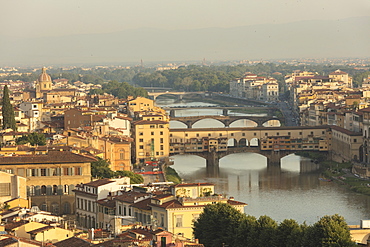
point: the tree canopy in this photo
(8, 111)
(218, 225)
(221, 224)
(101, 169)
(33, 138)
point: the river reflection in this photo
(280, 193)
(292, 191)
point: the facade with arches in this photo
(50, 178)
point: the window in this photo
(161, 133)
(141, 140)
(43, 172)
(66, 189)
(5, 189)
(55, 189)
(141, 147)
(161, 140)
(121, 154)
(43, 190)
(162, 147)
(243, 134)
(32, 190)
(152, 133)
(141, 133)
(152, 126)
(178, 220)
(78, 171)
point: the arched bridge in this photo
(154, 95)
(226, 120)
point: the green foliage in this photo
(8, 111)
(121, 90)
(218, 224)
(172, 176)
(34, 139)
(134, 178)
(100, 169)
(221, 223)
(331, 231)
(247, 232)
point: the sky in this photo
(41, 18)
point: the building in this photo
(11, 187)
(88, 196)
(151, 135)
(51, 177)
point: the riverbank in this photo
(339, 173)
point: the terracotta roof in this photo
(73, 242)
(107, 203)
(130, 196)
(8, 241)
(193, 184)
(50, 157)
(143, 204)
(150, 122)
(42, 229)
(99, 182)
(345, 131)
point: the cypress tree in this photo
(8, 111)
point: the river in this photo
(280, 192)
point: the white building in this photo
(87, 195)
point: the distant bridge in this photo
(226, 120)
(154, 95)
(273, 142)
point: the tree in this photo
(289, 234)
(134, 178)
(8, 111)
(329, 231)
(33, 139)
(100, 169)
(266, 231)
(217, 225)
(247, 232)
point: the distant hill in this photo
(312, 39)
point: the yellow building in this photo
(140, 104)
(115, 149)
(42, 232)
(177, 215)
(151, 137)
(50, 177)
(12, 187)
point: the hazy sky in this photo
(31, 18)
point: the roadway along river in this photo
(281, 193)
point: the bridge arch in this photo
(214, 121)
(273, 122)
(232, 142)
(246, 123)
(254, 142)
(243, 142)
(175, 124)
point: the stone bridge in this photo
(154, 95)
(212, 158)
(226, 120)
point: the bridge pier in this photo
(212, 160)
(189, 123)
(225, 112)
(172, 113)
(273, 158)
